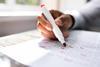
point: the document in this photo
(83, 50)
(25, 52)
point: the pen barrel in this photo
(48, 16)
(56, 30)
(58, 34)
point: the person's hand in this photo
(64, 22)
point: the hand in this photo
(63, 21)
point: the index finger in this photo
(44, 23)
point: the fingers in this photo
(46, 33)
(42, 28)
(65, 34)
(64, 21)
(57, 15)
(59, 22)
(50, 34)
(54, 13)
(46, 28)
(44, 23)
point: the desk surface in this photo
(84, 51)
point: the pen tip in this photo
(64, 44)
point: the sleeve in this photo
(79, 19)
(86, 15)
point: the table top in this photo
(83, 51)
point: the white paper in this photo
(84, 51)
(25, 53)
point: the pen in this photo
(55, 28)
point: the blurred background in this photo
(20, 15)
(61, 4)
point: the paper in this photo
(84, 51)
(25, 53)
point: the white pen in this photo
(56, 30)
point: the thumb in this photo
(64, 21)
(59, 21)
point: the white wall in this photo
(64, 4)
(71, 4)
(51, 4)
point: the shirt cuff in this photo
(79, 19)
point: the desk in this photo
(84, 51)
